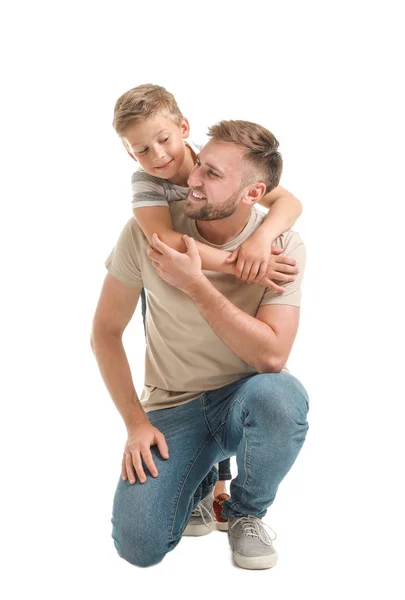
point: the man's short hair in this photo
(264, 161)
(143, 102)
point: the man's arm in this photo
(264, 341)
(115, 308)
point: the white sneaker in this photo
(201, 521)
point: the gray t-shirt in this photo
(148, 190)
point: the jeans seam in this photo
(181, 487)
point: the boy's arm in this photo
(253, 259)
(157, 219)
(285, 210)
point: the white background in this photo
(325, 77)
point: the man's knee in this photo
(279, 397)
(137, 547)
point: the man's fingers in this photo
(129, 467)
(239, 267)
(262, 271)
(191, 245)
(123, 469)
(137, 461)
(232, 257)
(246, 270)
(161, 246)
(162, 446)
(148, 460)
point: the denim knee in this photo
(138, 548)
(278, 397)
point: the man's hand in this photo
(180, 269)
(140, 438)
(267, 271)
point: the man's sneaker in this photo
(251, 544)
(201, 521)
(220, 521)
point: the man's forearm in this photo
(250, 339)
(113, 364)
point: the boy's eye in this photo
(143, 151)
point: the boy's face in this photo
(158, 145)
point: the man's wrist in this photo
(197, 284)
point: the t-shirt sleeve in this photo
(147, 190)
(123, 261)
(295, 249)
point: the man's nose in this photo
(194, 179)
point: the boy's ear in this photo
(254, 193)
(185, 127)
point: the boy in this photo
(153, 131)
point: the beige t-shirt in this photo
(184, 356)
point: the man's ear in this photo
(254, 193)
(185, 128)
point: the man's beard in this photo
(211, 213)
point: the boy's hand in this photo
(140, 438)
(252, 259)
(272, 268)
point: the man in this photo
(215, 383)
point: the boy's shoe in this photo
(251, 544)
(201, 521)
(220, 521)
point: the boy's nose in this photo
(158, 154)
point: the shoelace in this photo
(256, 528)
(198, 512)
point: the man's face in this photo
(216, 182)
(158, 145)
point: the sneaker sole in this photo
(255, 562)
(221, 526)
(197, 530)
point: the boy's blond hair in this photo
(143, 102)
(264, 161)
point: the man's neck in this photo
(222, 231)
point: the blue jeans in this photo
(261, 419)
(224, 467)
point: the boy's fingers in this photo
(269, 283)
(275, 250)
(262, 271)
(285, 260)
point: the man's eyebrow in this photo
(210, 166)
